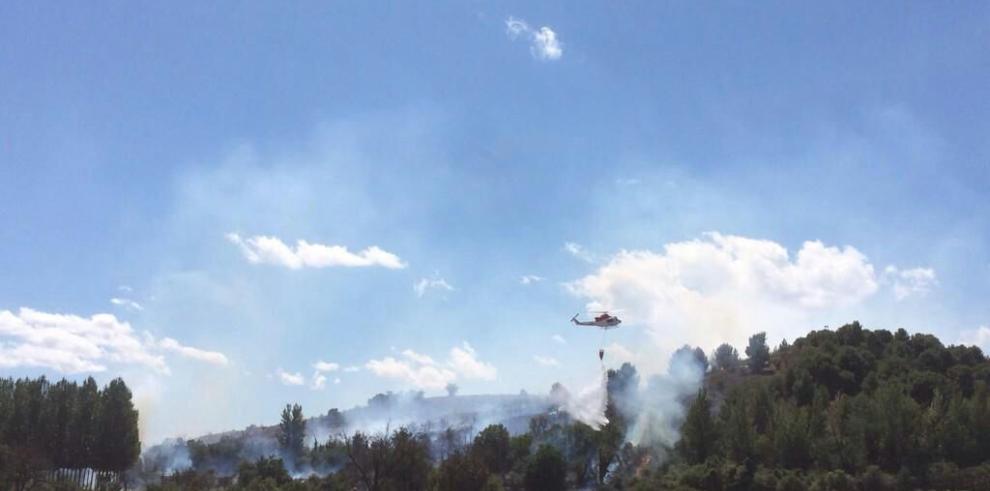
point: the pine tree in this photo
(725, 358)
(758, 352)
(738, 436)
(292, 430)
(698, 434)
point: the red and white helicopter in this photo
(604, 321)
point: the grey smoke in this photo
(660, 406)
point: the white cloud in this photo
(418, 375)
(544, 44)
(212, 357)
(418, 358)
(530, 278)
(464, 361)
(352, 369)
(547, 361)
(290, 378)
(262, 249)
(578, 251)
(126, 302)
(724, 288)
(336, 380)
(319, 381)
(71, 344)
(559, 339)
(423, 372)
(424, 284)
(910, 282)
(979, 337)
(325, 366)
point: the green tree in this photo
(400, 461)
(85, 418)
(582, 451)
(118, 429)
(762, 408)
(461, 471)
(520, 447)
(757, 352)
(792, 440)
(699, 438)
(407, 460)
(738, 437)
(492, 448)
(292, 430)
(58, 421)
(546, 470)
(725, 358)
(897, 425)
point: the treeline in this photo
(400, 460)
(844, 409)
(65, 425)
(849, 409)
(556, 453)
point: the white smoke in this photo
(660, 406)
(588, 406)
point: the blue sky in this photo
(773, 167)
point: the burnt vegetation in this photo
(835, 410)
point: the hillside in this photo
(845, 409)
(395, 410)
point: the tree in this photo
(698, 434)
(758, 352)
(400, 461)
(408, 460)
(520, 447)
(451, 389)
(792, 440)
(118, 430)
(491, 447)
(546, 471)
(461, 471)
(58, 421)
(292, 430)
(725, 358)
(583, 446)
(738, 436)
(85, 416)
(335, 419)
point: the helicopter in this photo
(604, 321)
